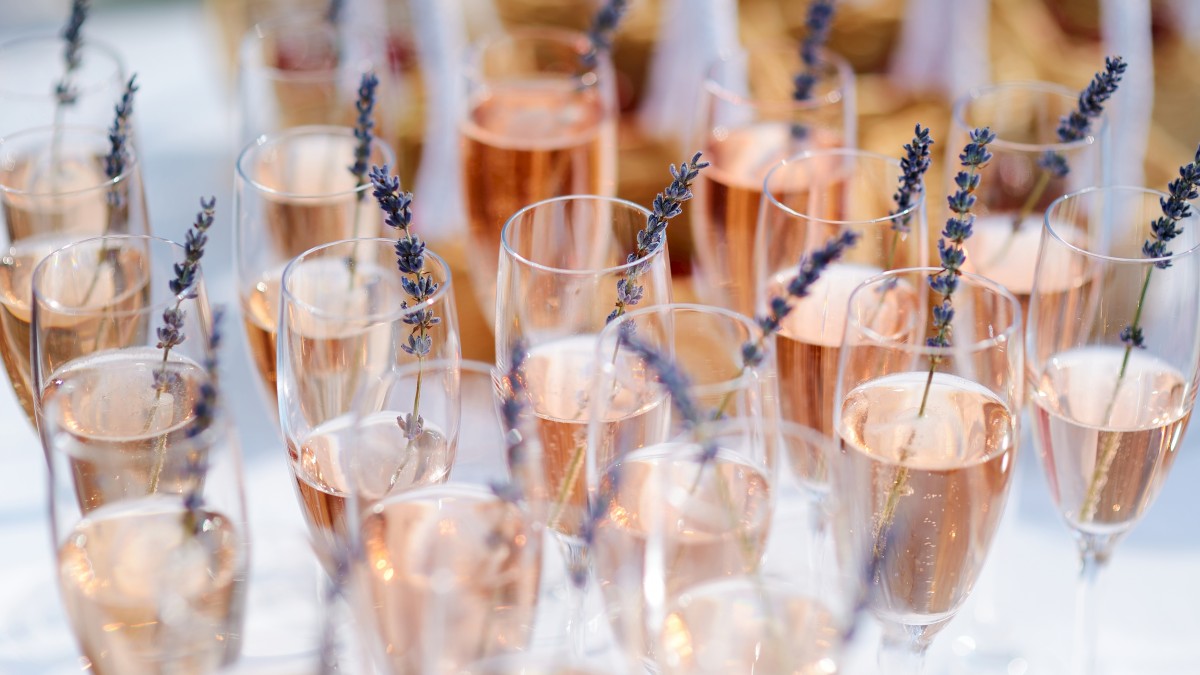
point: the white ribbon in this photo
(1126, 30)
(943, 47)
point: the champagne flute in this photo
(748, 119)
(1108, 420)
(31, 67)
(54, 191)
(1025, 117)
(929, 434)
(560, 263)
(794, 613)
(807, 200)
(344, 322)
(109, 345)
(673, 516)
(301, 70)
(450, 571)
(539, 124)
(294, 192)
(146, 496)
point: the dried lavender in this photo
(810, 269)
(1163, 229)
(519, 447)
(115, 163)
(1175, 207)
(363, 127)
(912, 178)
(1072, 127)
(416, 281)
(818, 21)
(600, 34)
(333, 13)
(73, 39)
(171, 334)
(183, 287)
(363, 132)
(667, 204)
(203, 414)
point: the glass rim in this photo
(828, 57)
(270, 27)
(188, 293)
(1010, 335)
(283, 136)
(472, 57)
(57, 41)
(287, 297)
(844, 152)
(130, 166)
(958, 114)
(753, 329)
(1100, 256)
(507, 250)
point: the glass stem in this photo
(903, 650)
(1093, 554)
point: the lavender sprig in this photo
(667, 204)
(818, 22)
(72, 36)
(958, 229)
(115, 163)
(1175, 207)
(333, 13)
(1073, 126)
(363, 127)
(521, 449)
(912, 177)
(170, 334)
(203, 415)
(810, 269)
(417, 282)
(600, 34)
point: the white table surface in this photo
(1150, 612)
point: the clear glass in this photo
(672, 519)
(299, 70)
(54, 191)
(1108, 419)
(809, 199)
(31, 69)
(559, 267)
(76, 334)
(795, 611)
(1014, 195)
(538, 125)
(147, 504)
(747, 123)
(451, 571)
(293, 192)
(929, 435)
(344, 324)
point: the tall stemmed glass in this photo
(539, 124)
(31, 67)
(451, 571)
(345, 320)
(930, 433)
(749, 122)
(1025, 117)
(294, 191)
(808, 200)
(1108, 417)
(147, 509)
(300, 70)
(54, 191)
(560, 265)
